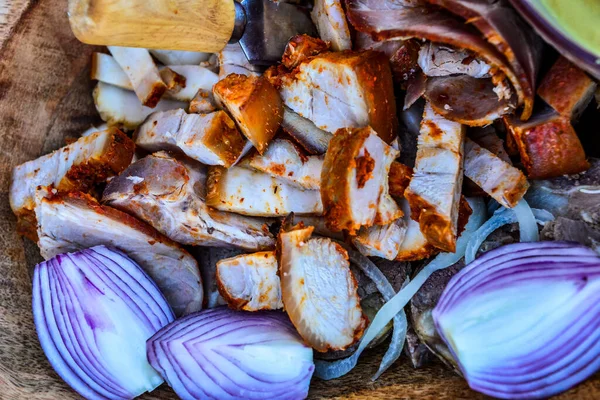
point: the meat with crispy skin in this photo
(548, 145)
(503, 182)
(567, 89)
(254, 104)
(285, 161)
(300, 48)
(249, 192)
(354, 181)
(168, 193)
(434, 191)
(318, 290)
(79, 166)
(74, 221)
(345, 89)
(330, 19)
(249, 282)
(211, 138)
(399, 178)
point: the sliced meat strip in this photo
(168, 193)
(381, 240)
(73, 221)
(330, 19)
(439, 60)
(249, 282)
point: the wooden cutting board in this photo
(45, 97)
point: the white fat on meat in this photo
(330, 20)
(439, 60)
(381, 240)
(74, 221)
(139, 67)
(503, 182)
(121, 107)
(285, 161)
(249, 192)
(318, 290)
(171, 199)
(249, 282)
(354, 181)
(434, 191)
(211, 138)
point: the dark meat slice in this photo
(548, 145)
(470, 101)
(506, 30)
(567, 89)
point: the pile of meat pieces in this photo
(262, 176)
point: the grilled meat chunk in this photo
(248, 192)
(211, 138)
(548, 145)
(254, 104)
(300, 48)
(249, 282)
(414, 246)
(168, 193)
(232, 60)
(318, 290)
(343, 90)
(503, 182)
(434, 191)
(142, 72)
(399, 178)
(330, 19)
(567, 89)
(354, 181)
(203, 102)
(381, 240)
(74, 221)
(79, 166)
(285, 161)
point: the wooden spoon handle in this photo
(195, 25)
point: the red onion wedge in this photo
(523, 320)
(225, 354)
(93, 312)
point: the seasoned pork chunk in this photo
(434, 191)
(249, 282)
(503, 182)
(567, 89)
(232, 60)
(343, 90)
(79, 166)
(300, 48)
(211, 138)
(168, 193)
(330, 20)
(381, 240)
(74, 221)
(354, 181)
(399, 178)
(254, 104)
(203, 102)
(548, 145)
(439, 60)
(285, 161)
(248, 192)
(318, 290)
(106, 69)
(142, 72)
(414, 246)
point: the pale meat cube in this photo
(567, 89)
(381, 240)
(503, 182)
(168, 193)
(249, 282)
(248, 192)
(142, 72)
(330, 19)
(74, 221)
(343, 90)
(354, 181)
(178, 57)
(439, 60)
(174, 81)
(106, 69)
(203, 102)
(118, 106)
(255, 106)
(318, 290)
(285, 161)
(79, 166)
(434, 191)
(211, 138)
(196, 78)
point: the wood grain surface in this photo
(45, 97)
